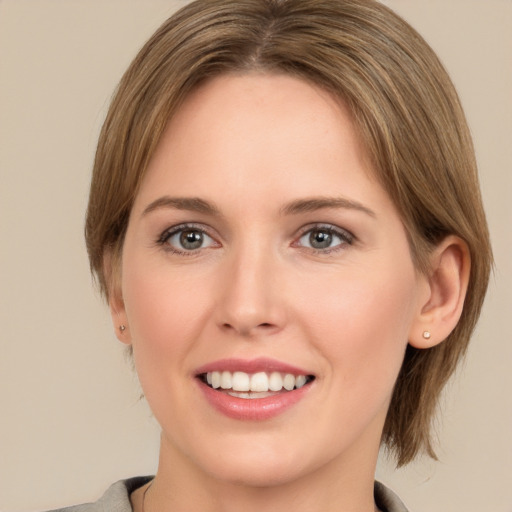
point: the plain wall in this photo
(70, 417)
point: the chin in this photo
(260, 473)
(257, 465)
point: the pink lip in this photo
(261, 364)
(257, 409)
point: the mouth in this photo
(257, 385)
(254, 390)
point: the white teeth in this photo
(289, 381)
(241, 381)
(225, 380)
(215, 380)
(275, 382)
(259, 382)
(300, 380)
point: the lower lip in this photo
(252, 409)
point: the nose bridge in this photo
(249, 301)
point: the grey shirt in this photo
(117, 498)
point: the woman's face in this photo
(260, 246)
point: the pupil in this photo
(320, 239)
(191, 239)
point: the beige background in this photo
(70, 419)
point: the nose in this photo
(251, 299)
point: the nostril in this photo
(229, 326)
(249, 330)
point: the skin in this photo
(252, 145)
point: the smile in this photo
(257, 385)
(253, 390)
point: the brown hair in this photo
(403, 103)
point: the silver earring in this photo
(426, 335)
(122, 328)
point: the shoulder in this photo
(115, 499)
(387, 500)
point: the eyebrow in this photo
(196, 204)
(193, 204)
(318, 203)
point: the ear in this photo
(112, 273)
(441, 305)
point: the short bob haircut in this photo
(406, 111)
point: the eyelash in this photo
(169, 233)
(345, 236)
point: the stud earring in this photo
(122, 328)
(426, 335)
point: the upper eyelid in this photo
(164, 238)
(328, 226)
(187, 225)
(209, 231)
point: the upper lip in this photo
(261, 364)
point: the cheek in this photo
(165, 313)
(360, 322)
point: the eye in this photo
(184, 239)
(325, 238)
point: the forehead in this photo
(250, 142)
(254, 100)
(270, 124)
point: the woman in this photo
(286, 222)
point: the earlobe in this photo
(118, 315)
(112, 271)
(122, 333)
(447, 283)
